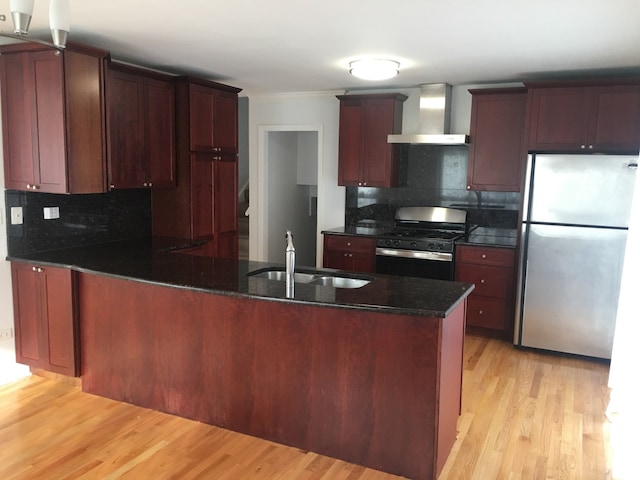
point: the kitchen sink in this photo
(311, 278)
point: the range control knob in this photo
(396, 243)
(414, 244)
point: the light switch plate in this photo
(16, 216)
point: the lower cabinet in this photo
(491, 269)
(44, 305)
(343, 252)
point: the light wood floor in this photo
(525, 416)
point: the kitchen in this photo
(314, 108)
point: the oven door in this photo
(410, 263)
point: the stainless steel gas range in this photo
(422, 244)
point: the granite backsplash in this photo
(86, 219)
(432, 175)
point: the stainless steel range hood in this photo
(435, 113)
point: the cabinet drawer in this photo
(487, 312)
(351, 244)
(502, 257)
(490, 281)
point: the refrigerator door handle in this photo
(632, 166)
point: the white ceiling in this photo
(297, 45)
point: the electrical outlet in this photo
(51, 213)
(6, 334)
(16, 216)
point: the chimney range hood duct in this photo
(435, 113)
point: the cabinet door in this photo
(225, 122)
(350, 143)
(378, 155)
(51, 172)
(497, 152)
(225, 202)
(45, 318)
(34, 125)
(160, 132)
(125, 130)
(615, 122)
(201, 116)
(558, 119)
(202, 168)
(18, 105)
(27, 317)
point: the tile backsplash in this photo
(84, 219)
(432, 175)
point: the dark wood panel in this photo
(125, 129)
(497, 152)
(85, 120)
(51, 172)
(491, 313)
(18, 104)
(353, 385)
(160, 132)
(201, 115)
(26, 312)
(350, 144)
(490, 281)
(504, 257)
(349, 253)
(615, 124)
(202, 168)
(225, 121)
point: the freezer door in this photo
(571, 287)
(582, 189)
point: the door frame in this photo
(260, 207)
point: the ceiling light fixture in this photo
(374, 69)
(59, 19)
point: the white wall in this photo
(9, 369)
(295, 112)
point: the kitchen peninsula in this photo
(371, 375)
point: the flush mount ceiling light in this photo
(59, 19)
(374, 68)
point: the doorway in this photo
(290, 195)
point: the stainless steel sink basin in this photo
(281, 276)
(340, 282)
(318, 278)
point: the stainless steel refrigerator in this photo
(574, 233)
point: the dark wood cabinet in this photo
(365, 157)
(53, 118)
(141, 128)
(344, 252)
(584, 118)
(497, 151)
(203, 206)
(490, 306)
(44, 305)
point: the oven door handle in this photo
(438, 256)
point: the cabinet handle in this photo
(348, 244)
(583, 147)
(482, 280)
(483, 256)
(351, 255)
(345, 254)
(468, 187)
(480, 312)
(112, 187)
(150, 184)
(590, 147)
(32, 187)
(37, 269)
(144, 184)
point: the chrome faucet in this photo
(290, 263)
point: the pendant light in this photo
(59, 19)
(21, 11)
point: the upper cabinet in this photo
(203, 206)
(211, 120)
(365, 158)
(497, 152)
(584, 118)
(140, 128)
(53, 118)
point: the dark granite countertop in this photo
(490, 237)
(480, 236)
(154, 262)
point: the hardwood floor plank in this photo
(525, 416)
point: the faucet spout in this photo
(290, 263)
